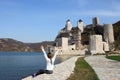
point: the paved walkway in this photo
(106, 69)
(61, 71)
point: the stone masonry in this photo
(95, 44)
(108, 33)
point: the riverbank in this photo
(61, 71)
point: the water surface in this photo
(17, 65)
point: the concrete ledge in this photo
(28, 78)
(61, 71)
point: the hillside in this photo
(7, 44)
(36, 46)
(117, 35)
(117, 30)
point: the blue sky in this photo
(41, 20)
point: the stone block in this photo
(95, 44)
(105, 46)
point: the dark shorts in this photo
(42, 72)
(48, 71)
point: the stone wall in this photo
(78, 40)
(95, 44)
(105, 46)
(108, 33)
(63, 43)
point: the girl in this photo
(49, 63)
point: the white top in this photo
(49, 65)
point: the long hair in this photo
(50, 56)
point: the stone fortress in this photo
(101, 43)
(68, 39)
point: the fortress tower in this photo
(95, 21)
(63, 42)
(80, 25)
(78, 40)
(96, 44)
(68, 25)
(108, 33)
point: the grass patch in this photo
(117, 57)
(83, 71)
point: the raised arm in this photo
(55, 55)
(45, 55)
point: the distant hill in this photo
(7, 44)
(36, 46)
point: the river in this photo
(17, 65)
